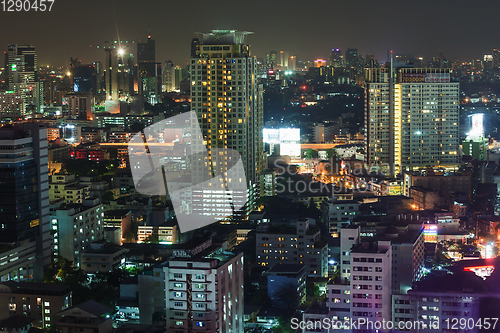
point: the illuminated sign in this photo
(425, 77)
(430, 229)
(271, 135)
(481, 271)
(290, 149)
(290, 135)
(477, 129)
(14, 67)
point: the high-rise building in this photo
(84, 78)
(371, 270)
(350, 56)
(411, 119)
(20, 64)
(177, 77)
(309, 248)
(79, 105)
(76, 226)
(21, 76)
(496, 57)
(284, 55)
(168, 76)
(272, 57)
(148, 70)
(228, 102)
(292, 63)
(336, 58)
(24, 191)
(119, 76)
(204, 292)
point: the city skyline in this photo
(307, 31)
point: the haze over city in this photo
(460, 30)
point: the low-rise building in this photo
(38, 301)
(205, 292)
(67, 188)
(290, 276)
(88, 317)
(102, 257)
(298, 242)
(75, 227)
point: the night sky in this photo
(461, 29)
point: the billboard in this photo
(290, 149)
(425, 77)
(476, 125)
(290, 135)
(271, 135)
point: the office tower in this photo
(147, 70)
(411, 119)
(292, 63)
(168, 76)
(83, 77)
(119, 73)
(79, 105)
(350, 56)
(177, 78)
(272, 57)
(228, 101)
(336, 58)
(204, 292)
(284, 55)
(370, 61)
(100, 83)
(24, 203)
(21, 76)
(20, 64)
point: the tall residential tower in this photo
(411, 118)
(228, 102)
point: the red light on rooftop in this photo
(304, 87)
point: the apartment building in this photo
(297, 242)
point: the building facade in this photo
(205, 292)
(227, 99)
(411, 119)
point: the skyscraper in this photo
(119, 76)
(350, 57)
(284, 55)
(271, 57)
(20, 64)
(25, 232)
(168, 76)
(228, 102)
(336, 58)
(292, 63)
(21, 76)
(147, 70)
(411, 118)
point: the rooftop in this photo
(34, 288)
(287, 268)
